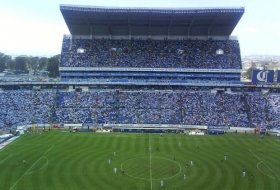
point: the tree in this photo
(3, 61)
(43, 63)
(249, 72)
(53, 64)
(33, 63)
(20, 63)
(10, 64)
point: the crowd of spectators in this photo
(201, 54)
(19, 108)
(227, 110)
(154, 107)
(273, 115)
(144, 107)
(86, 107)
(264, 109)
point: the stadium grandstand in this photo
(144, 69)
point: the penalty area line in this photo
(31, 167)
(264, 163)
(6, 158)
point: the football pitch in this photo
(59, 160)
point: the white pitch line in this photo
(149, 176)
(264, 163)
(5, 158)
(31, 167)
(150, 150)
(41, 167)
(265, 173)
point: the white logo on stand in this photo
(262, 76)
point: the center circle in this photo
(151, 168)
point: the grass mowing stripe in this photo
(241, 162)
(150, 150)
(211, 164)
(230, 166)
(31, 167)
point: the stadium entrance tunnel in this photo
(151, 168)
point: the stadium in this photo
(149, 98)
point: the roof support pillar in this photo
(149, 27)
(168, 33)
(109, 26)
(190, 26)
(209, 32)
(129, 27)
(169, 26)
(91, 32)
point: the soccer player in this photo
(174, 159)
(123, 172)
(244, 173)
(23, 161)
(251, 177)
(192, 163)
(161, 184)
(115, 170)
(179, 144)
(187, 164)
(172, 169)
(115, 154)
(185, 177)
(225, 158)
(150, 148)
(109, 160)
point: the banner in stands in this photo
(58, 125)
(278, 77)
(263, 76)
(89, 124)
(219, 127)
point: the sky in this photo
(36, 27)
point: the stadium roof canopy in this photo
(117, 21)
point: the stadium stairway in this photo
(243, 97)
(54, 106)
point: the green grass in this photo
(79, 161)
